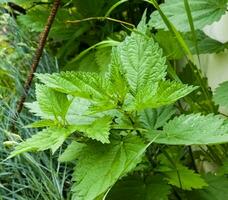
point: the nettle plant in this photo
(122, 132)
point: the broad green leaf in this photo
(167, 93)
(216, 190)
(152, 119)
(100, 166)
(205, 43)
(204, 12)
(35, 109)
(193, 129)
(72, 152)
(221, 94)
(50, 138)
(82, 84)
(142, 61)
(81, 112)
(98, 129)
(51, 102)
(140, 188)
(183, 177)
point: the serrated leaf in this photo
(142, 60)
(50, 138)
(205, 44)
(216, 190)
(98, 129)
(221, 94)
(81, 84)
(152, 119)
(100, 166)
(52, 103)
(35, 109)
(183, 177)
(167, 93)
(116, 75)
(203, 12)
(140, 188)
(193, 129)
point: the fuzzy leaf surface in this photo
(167, 93)
(52, 103)
(104, 165)
(142, 60)
(50, 138)
(98, 129)
(193, 129)
(183, 177)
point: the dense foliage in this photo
(129, 110)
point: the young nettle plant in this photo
(113, 120)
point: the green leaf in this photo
(142, 60)
(100, 166)
(72, 152)
(217, 189)
(220, 96)
(152, 119)
(51, 102)
(167, 93)
(35, 109)
(36, 17)
(140, 188)
(81, 84)
(50, 138)
(193, 129)
(205, 43)
(98, 129)
(116, 75)
(183, 177)
(204, 12)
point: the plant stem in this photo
(36, 59)
(101, 19)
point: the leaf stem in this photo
(101, 19)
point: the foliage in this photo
(220, 96)
(193, 129)
(124, 114)
(203, 13)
